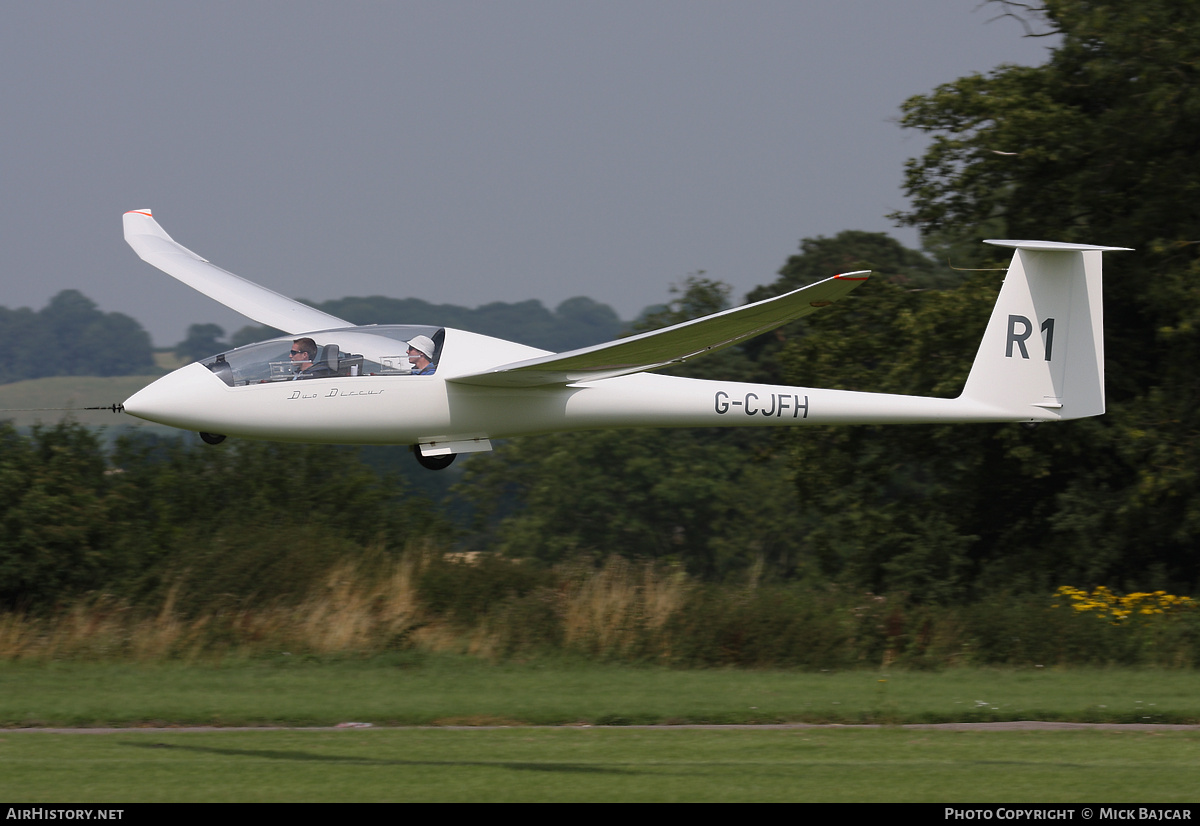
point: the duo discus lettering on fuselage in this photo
(332, 393)
(772, 404)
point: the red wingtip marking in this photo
(139, 212)
(852, 277)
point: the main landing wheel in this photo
(212, 438)
(433, 462)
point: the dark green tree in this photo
(694, 297)
(258, 519)
(71, 337)
(243, 521)
(577, 322)
(202, 340)
(84, 341)
(820, 258)
(21, 332)
(54, 527)
(589, 321)
(720, 501)
(1099, 145)
(123, 346)
(686, 495)
(851, 250)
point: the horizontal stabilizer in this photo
(1054, 246)
(155, 247)
(670, 345)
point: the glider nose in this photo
(186, 398)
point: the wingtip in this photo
(140, 223)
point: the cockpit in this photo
(380, 350)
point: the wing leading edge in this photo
(669, 345)
(155, 247)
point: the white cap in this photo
(424, 344)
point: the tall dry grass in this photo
(617, 611)
(622, 610)
(352, 610)
(102, 627)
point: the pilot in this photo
(304, 350)
(420, 355)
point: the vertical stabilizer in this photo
(1042, 356)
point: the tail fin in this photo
(1042, 355)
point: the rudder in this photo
(1042, 355)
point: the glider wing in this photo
(155, 247)
(658, 348)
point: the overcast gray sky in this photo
(459, 151)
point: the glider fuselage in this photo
(1041, 359)
(429, 410)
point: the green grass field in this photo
(71, 392)
(424, 689)
(596, 755)
(601, 764)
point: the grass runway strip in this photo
(597, 755)
(414, 690)
(601, 764)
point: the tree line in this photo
(147, 514)
(576, 322)
(1101, 144)
(70, 336)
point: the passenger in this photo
(420, 355)
(304, 350)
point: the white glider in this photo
(1041, 359)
